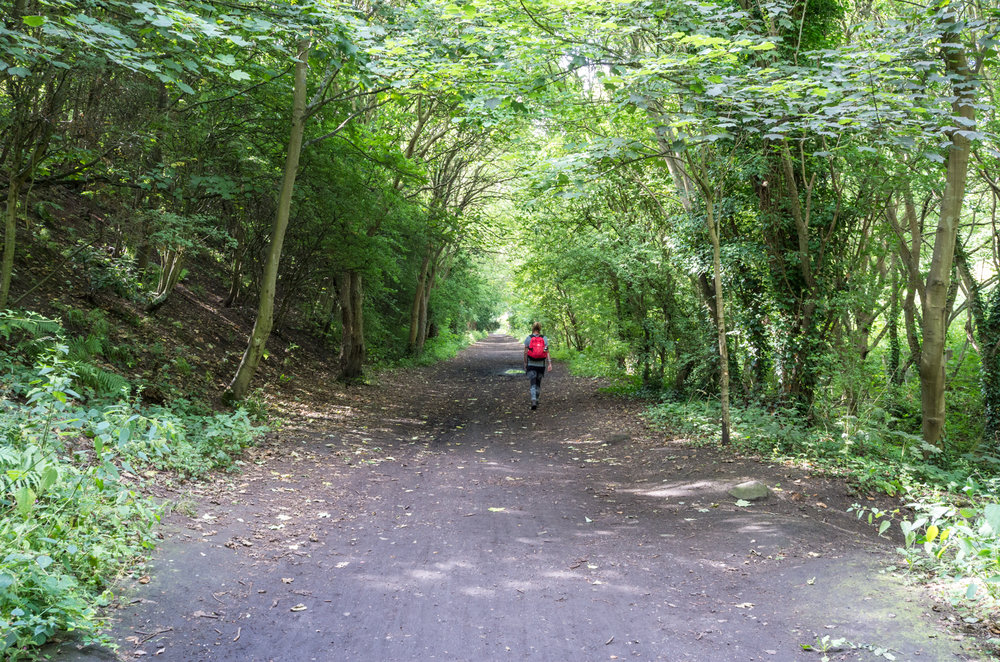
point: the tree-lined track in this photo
(776, 221)
(451, 522)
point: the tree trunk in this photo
(240, 385)
(352, 339)
(170, 273)
(418, 296)
(236, 268)
(423, 319)
(713, 237)
(9, 239)
(935, 306)
(986, 320)
(895, 374)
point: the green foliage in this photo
(30, 324)
(71, 519)
(868, 452)
(952, 534)
(69, 524)
(109, 273)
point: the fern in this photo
(85, 348)
(103, 382)
(31, 324)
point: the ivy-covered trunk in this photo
(989, 347)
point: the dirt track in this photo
(435, 517)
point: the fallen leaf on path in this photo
(299, 607)
(742, 503)
(204, 614)
(287, 580)
(144, 579)
(745, 605)
(497, 510)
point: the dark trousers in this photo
(535, 374)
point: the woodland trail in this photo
(435, 517)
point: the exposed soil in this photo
(434, 516)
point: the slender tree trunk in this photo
(423, 321)
(236, 268)
(935, 306)
(170, 274)
(418, 295)
(153, 160)
(895, 374)
(352, 340)
(9, 239)
(240, 385)
(720, 316)
(573, 337)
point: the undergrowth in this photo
(73, 517)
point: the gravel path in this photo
(434, 516)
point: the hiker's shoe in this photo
(534, 403)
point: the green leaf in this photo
(20, 72)
(742, 503)
(34, 21)
(5, 580)
(992, 514)
(44, 561)
(239, 74)
(25, 500)
(49, 478)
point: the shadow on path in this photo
(435, 517)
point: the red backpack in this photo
(536, 348)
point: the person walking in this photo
(536, 361)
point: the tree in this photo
(240, 384)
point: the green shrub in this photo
(954, 535)
(68, 525)
(71, 520)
